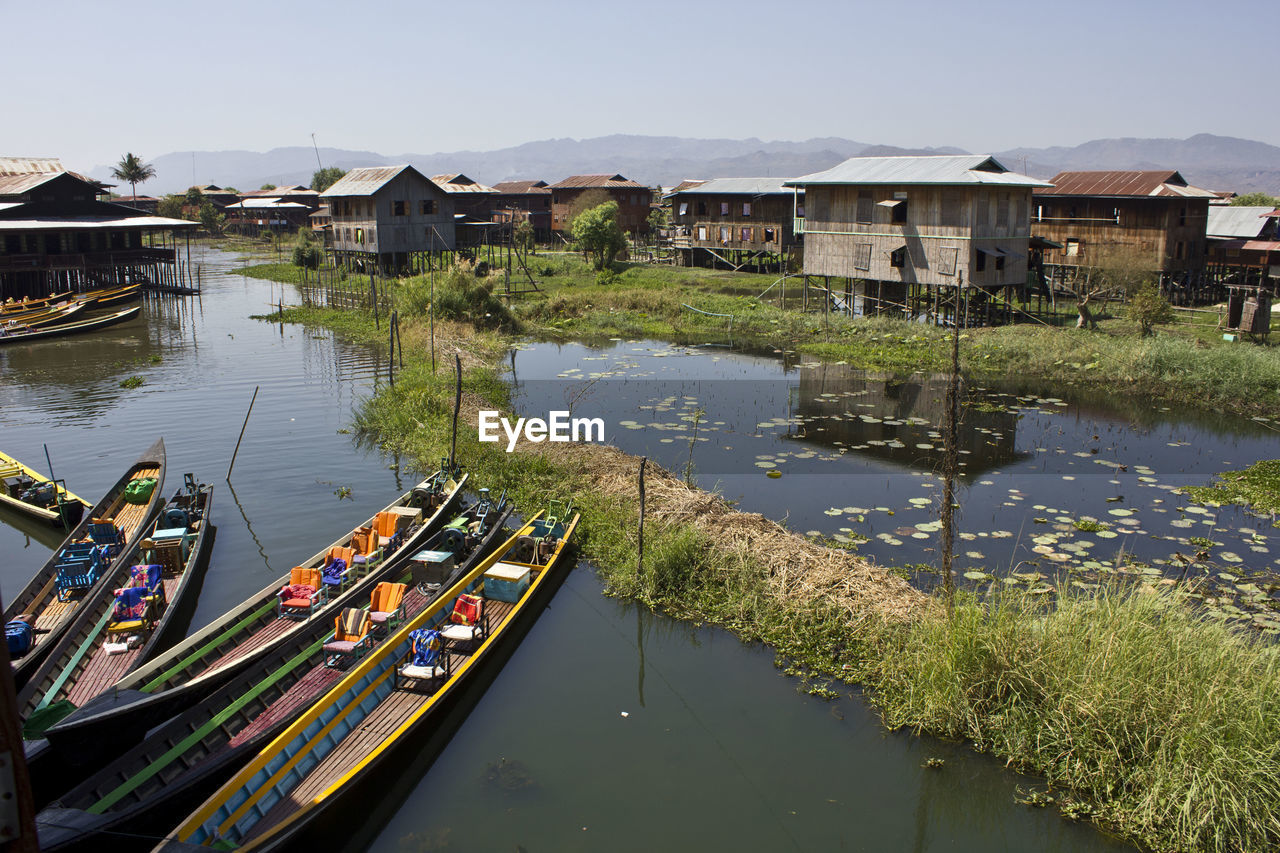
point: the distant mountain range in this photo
(1213, 162)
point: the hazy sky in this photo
(99, 78)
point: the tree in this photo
(585, 201)
(1115, 270)
(598, 234)
(195, 197)
(170, 206)
(210, 218)
(269, 186)
(523, 236)
(1255, 200)
(324, 178)
(1147, 307)
(132, 169)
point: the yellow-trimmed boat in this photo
(317, 766)
(26, 490)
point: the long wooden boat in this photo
(114, 295)
(185, 760)
(13, 306)
(28, 491)
(23, 334)
(98, 649)
(59, 312)
(176, 679)
(338, 748)
(78, 573)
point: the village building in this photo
(217, 196)
(56, 235)
(145, 203)
(1244, 244)
(388, 217)
(524, 201)
(472, 208)
(277, 209)
(634, 200)
(737, 222)
(923, 236)
(1153, 218)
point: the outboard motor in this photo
(175, 517)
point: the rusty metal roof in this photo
(30, 165)
(368, 180)
(583, 182)
(1119, 183)
(19, 184)
(460, 184)
(523, 188)
(935, 170)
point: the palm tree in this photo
(132, 169)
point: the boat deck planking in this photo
(375, 728)
(315, 683)
(103, 670)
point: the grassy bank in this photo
(1146, 717)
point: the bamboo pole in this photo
(242, 429)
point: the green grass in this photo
(1155, 721)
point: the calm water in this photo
(610, 728)
(857, 453)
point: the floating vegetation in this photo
(132, 382)
(1256, 487)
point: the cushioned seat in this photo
(350, 636)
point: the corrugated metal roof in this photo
(1119, 183)
(367, 180)
(738, 186)
(522, 188)
(687, 183)
(576, 182)
(962, 170)
(18, 184)
(460, 184)
(30, 165)
(267, 204)
(279, 192)
(1226, 220)
(1263, 245)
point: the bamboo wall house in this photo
(387, 216)
(634, 200)
(1153, 216)
(472, 208)
(735, 221)
(57, 235)
(923, 236)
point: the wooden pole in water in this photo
(640, 538)
(242, 428)
(391, 362)
(950, 456)
(433, 320)
(457, 406)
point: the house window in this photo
(702, 232)
(1039, 213)
(898, 208)
(1182, 216)
(746, 208)
(947, 257)
(898, 257)
(979, 261)
(862, 256)
(724, 233)
(724, 208)
(702, 208)
(769, 235)
(1074, 246)
(360, 235)
(684, 208)
(426, 206)
(800, 210)
(999, 262)
(981, 213)
(1021, 219)
(865, 208)
(399, 208)
(1178, 250)
(747, 236)
(1002, 211)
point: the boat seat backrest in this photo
(385, 523)
(387, 597)
(351, 624)
(338, 552)
(304, 577)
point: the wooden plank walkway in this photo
(377, 727)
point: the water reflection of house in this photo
(57, 235)
(736, 221)
(888, 417)
(388, 216)
(915, 235)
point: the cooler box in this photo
(431, 567)
(406, 516)
(506, 582)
